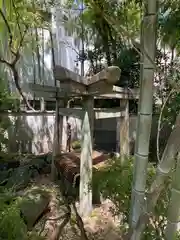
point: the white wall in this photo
(37, 132)
(66, 52)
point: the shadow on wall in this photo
(31, 134)
(20, 135)
(34, 134)
(43, 137)
(75, 128)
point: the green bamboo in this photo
(174, 205)
(163, 170)
(148, 49)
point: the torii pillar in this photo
(124, 130)
(76, 85)
(97, 84)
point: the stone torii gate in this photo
(73, 85)
(87, 88)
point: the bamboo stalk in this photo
(174, 205)
(162, 173)
(148, 42)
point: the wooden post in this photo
(58, 125)
(118, 149)
(124, 129)
(64, 133)
(65, 121)
(42, 104)
(85, 193)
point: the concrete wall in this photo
(35, 133)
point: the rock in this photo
(19, 179)
(6, 165)
(34, 203)
(13, 164)
(46, 169)
(8, 161)
(48, 158)
(38, 164)
(3, 166)
(34, 173)
(4, 175)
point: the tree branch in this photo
(159, 123)
(9, 31)
(17, 17)
(12, 65)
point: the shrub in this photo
(12, 226)
(115, 181)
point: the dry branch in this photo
(80, 223)
(56, 234)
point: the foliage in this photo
(169, 23)
(12, 226)
(7, 102)
(19, 15)
(19, 21)
(169, 76)
(129, 63)
(76, 145)
(102, 41)
(114, 182)
(172, 108)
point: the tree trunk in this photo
(107, 51)
(148, 45)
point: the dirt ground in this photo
(100, 225)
